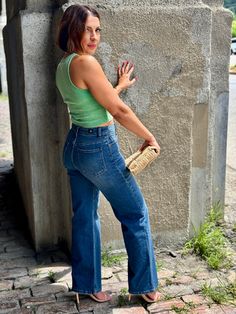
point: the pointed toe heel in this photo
(150, 300)
(77, 298)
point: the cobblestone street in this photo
(40, 283)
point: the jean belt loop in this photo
(99, 132)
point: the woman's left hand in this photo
(124, 72)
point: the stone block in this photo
(47, 289)
(195, 299)
(34, 301)
(6, 285)
(183, 280)
(13, 273)
(28, 282)
(162, 274)
(9, 306)
(9, 295)
(107, 272)
(160, 307)
(18, 262)
(130, 310)
(59, 269)
(177, 290)
(123, 276)
(65, 296)
(214, 309)
(115, 287)
(20, 253)
(58, 307)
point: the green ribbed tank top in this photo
(83, 108)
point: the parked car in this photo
(233, 45)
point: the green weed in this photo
(167, 297)
(122, 297)
(222, 294)
(210, 242)
(52, 276)
(187, 307)
(110, 259)
(168, 282)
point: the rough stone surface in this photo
(13, 273)
(130, 310)
(44, 290)
(8, 306)
(27, 281)
(195, 299)
(165, 306)
(33, 301)
(6, 285)
(60, 307)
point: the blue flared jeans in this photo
(94, 163)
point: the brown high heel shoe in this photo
(147, 298)
(93, 296)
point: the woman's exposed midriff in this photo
(107, 123)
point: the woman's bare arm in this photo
(91, 73)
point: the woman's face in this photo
(91, 35)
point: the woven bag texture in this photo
(140, 160)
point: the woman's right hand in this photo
(151, 142)
(124, 76)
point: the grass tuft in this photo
(186, 309)
(52, 276)
(210, 242)
(122, 297)
(221, 294)
(110, 259)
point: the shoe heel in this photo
(77, 299)
(129, 297)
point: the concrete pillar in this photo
(181, 56)
(30, 63)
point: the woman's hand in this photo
(124, 72)
(151, 142)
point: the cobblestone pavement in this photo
(41, 283)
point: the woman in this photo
(94, 163)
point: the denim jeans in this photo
(94, 163)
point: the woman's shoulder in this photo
(86, 61)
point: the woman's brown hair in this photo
(72, 26)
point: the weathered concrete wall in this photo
(181, 55)
(30, 62)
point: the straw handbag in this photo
(141, 159)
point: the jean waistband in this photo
(96, 131)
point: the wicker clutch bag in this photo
(140, 160)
